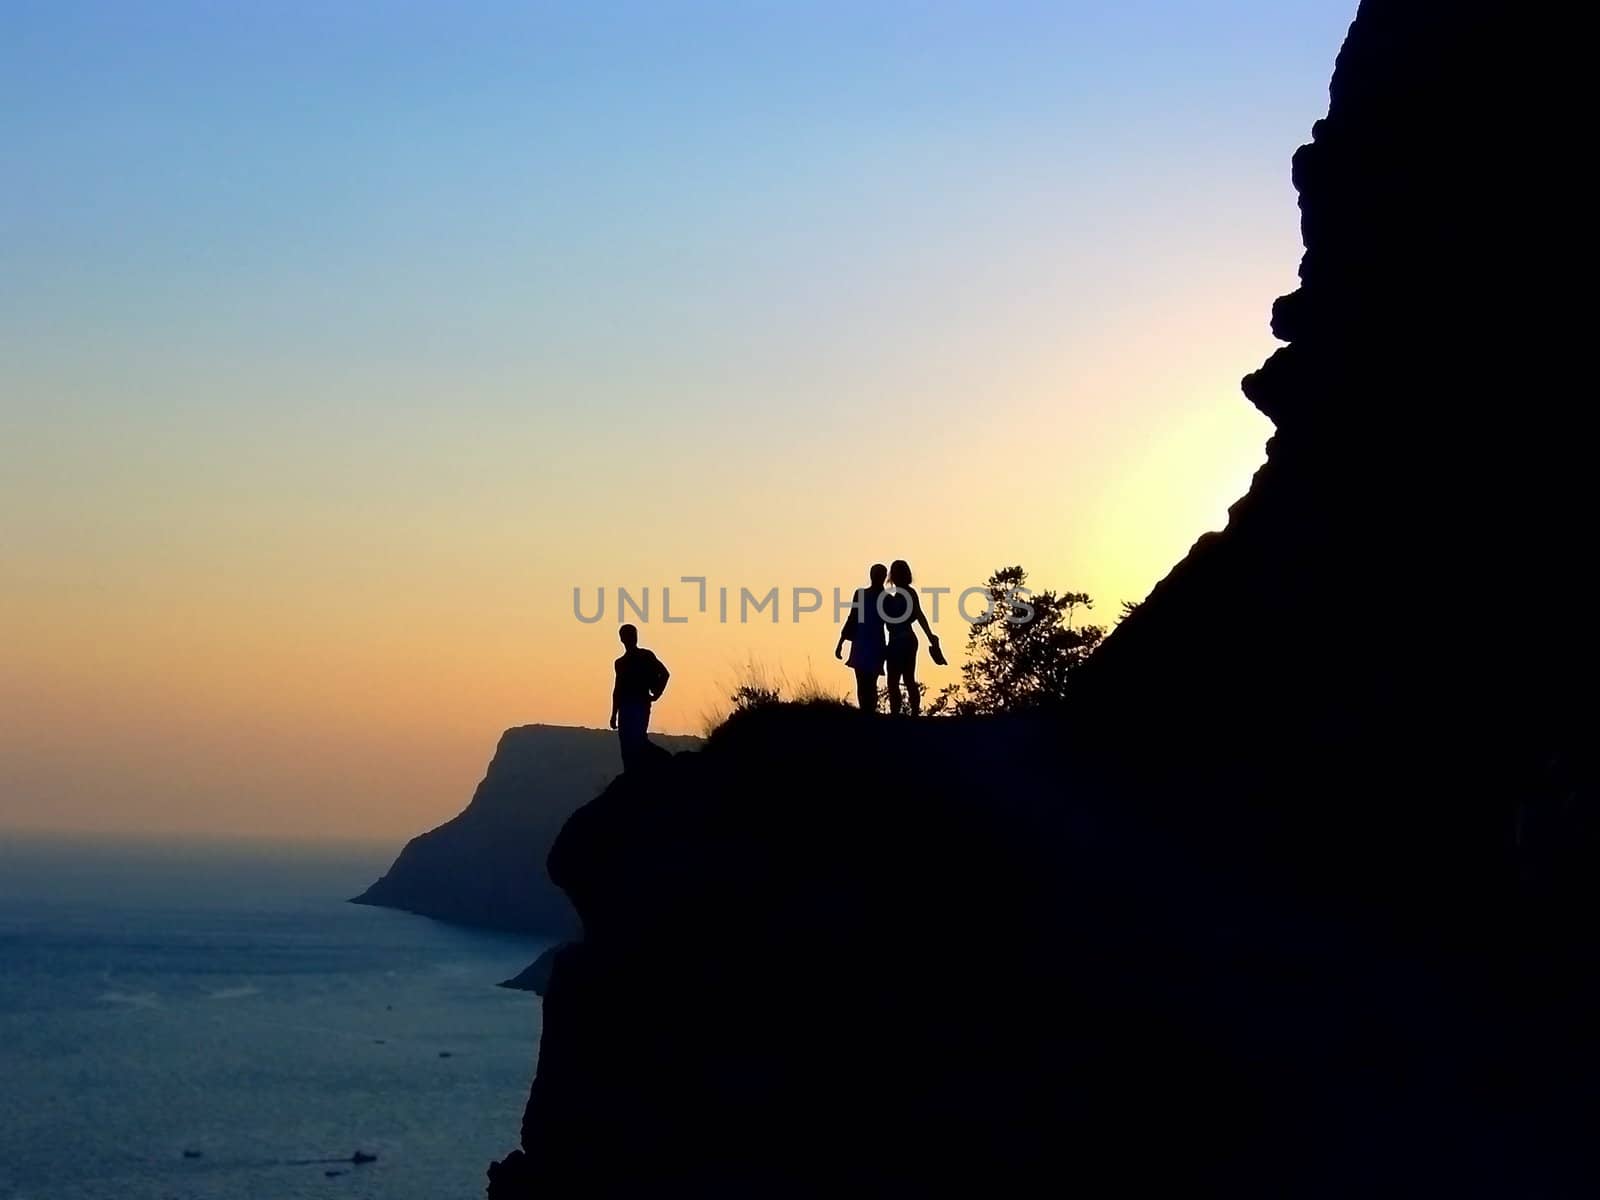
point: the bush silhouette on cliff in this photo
(1022, 651)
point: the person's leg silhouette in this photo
(867, 690)
(633, 724)
(902, 665)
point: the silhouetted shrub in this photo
(757, 686)
(1022, 651)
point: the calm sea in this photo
(212, 1020)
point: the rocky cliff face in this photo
(1392, 619)
(1293, 901)
(809, 951)
(486, 865)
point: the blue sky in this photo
(456, 170)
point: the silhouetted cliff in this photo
(1293, 901)
(1392, 622)
(800, 961)
(485, 865)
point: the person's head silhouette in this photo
(900, 573)
(629, 635)
(878, 574)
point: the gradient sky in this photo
(340, 341)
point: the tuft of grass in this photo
(757, 684)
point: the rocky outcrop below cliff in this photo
(535, 977)
(1293, 899)
(485, 866)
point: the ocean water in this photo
(223, 1000)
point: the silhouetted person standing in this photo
(641, 679)
(863, 629)
(901, 609)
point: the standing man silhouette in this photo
(863, 629)
(640, 681)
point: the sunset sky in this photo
(340, 342)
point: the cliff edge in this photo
(485, 866)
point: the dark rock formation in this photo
(535, 977)
(800, 970)
(1293, 900)
(485, 866)
(1399, 594)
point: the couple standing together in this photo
(882, 638)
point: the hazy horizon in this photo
(342, 343)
